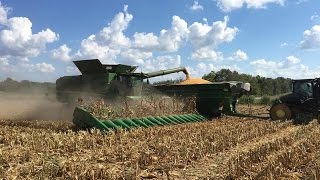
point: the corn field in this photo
(227, 147)
(223, 148)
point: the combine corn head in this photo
(120, 83)
(83, 119)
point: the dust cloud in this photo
(33, 106)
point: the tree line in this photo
(260, 85)
(10, 85)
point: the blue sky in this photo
(272, 38)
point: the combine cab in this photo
(120, 81)
(304, 101)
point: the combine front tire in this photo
(280, 112)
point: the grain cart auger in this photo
(302, 103)
(112, 81)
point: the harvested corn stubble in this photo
(224, 148)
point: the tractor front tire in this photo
(280, 112)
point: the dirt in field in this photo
(254, 110)
(32, 106)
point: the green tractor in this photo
(303, 102)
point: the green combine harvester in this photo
(121, 81)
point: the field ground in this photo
(224, 148)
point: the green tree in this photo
(260, 85)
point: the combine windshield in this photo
(303, 88)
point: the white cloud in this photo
(205, 68)
(5, 65)
(202, 35)
(315, 18)
(284, 44)
(39, 67)
(196, 6)
(264, 64)
(205, 39)
(3, 13)
(135, 57)
(44, 67)
(18, 44)
(107, 44)
(72, 70)
(205, 20)
(112, 35)
(229, 5)
(291, 68)
(6, 69)
(311, 38)
(199, 34)
(62, 53)
(292, 60)
(206, 54)
(171, 39)
(4, 61)
(151, 51)
(17, 39)
(110, 45)
(201, 69)
(90, 48)
(301, 1)
(145, 41)
(240, 55)
(161, 63)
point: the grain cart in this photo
(114, 81)
(303, 101)
(211, 99)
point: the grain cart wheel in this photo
(280, 112)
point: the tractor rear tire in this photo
(280, 112)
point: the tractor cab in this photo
(303, 88)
